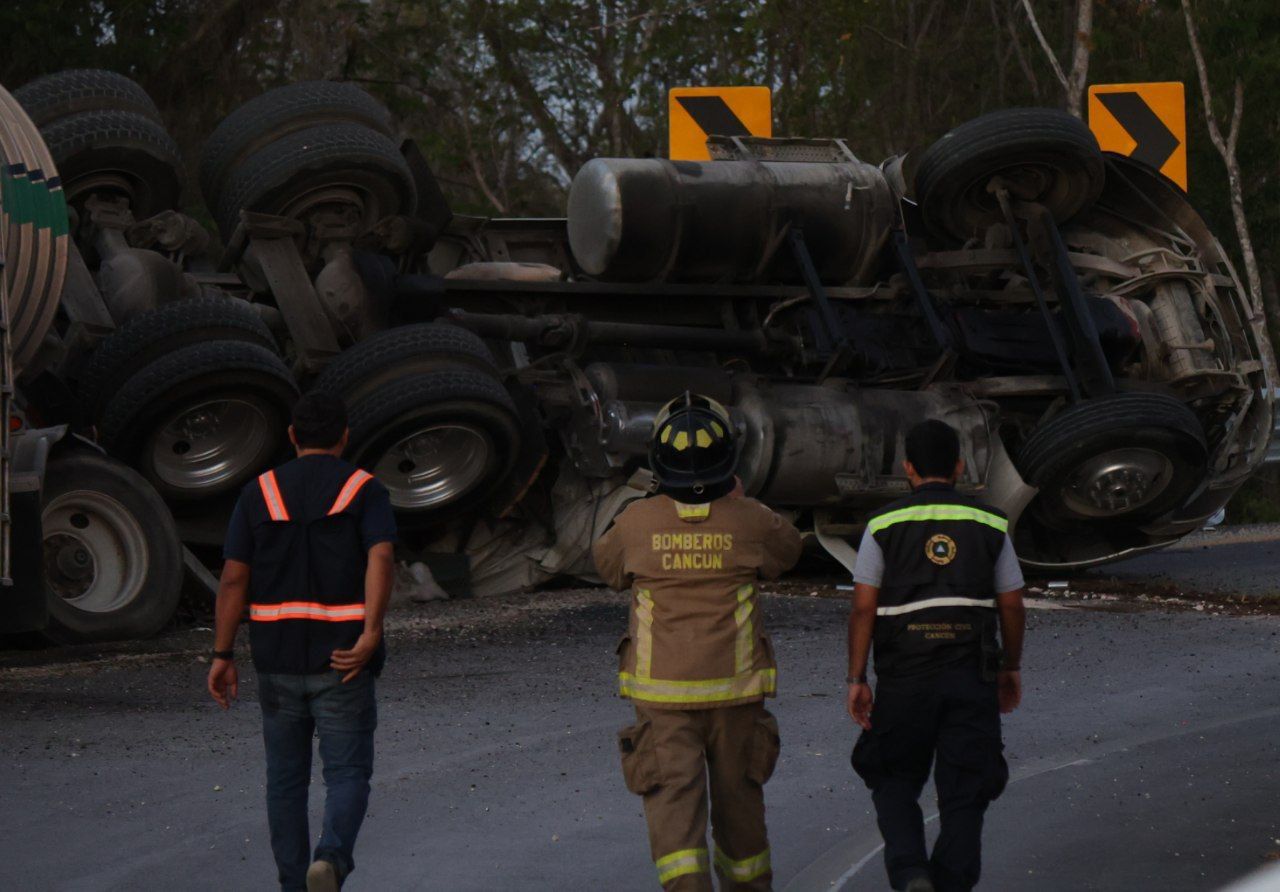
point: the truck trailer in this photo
(1065, 309)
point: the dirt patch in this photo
(1126, 596)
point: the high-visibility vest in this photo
(696, 639)
(937, 599)
(307, 594)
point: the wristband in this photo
(224, 654)
(856, 679)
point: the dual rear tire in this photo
(318, 146)
(429, 416)
(194, 394)
(106, 136)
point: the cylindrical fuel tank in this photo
(657, 383)
(809, 445)
(34, 242)
(647, 219)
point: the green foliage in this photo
(508, 98)
(1258, 501)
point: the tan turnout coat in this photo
(696, 639)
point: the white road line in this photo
(866, 859)
(1120, 745)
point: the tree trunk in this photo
(1227, 149)
(1083, 43)
(1073, 85)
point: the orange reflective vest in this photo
(306, 590)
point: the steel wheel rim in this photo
(1117, 482)
(349, 192)
(1026, 181)
(216, 441)
(95, 551)
(435, 465)
(118, 182)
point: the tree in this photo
(1073, 83)
(1227, 149)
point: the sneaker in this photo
(917, 884)
(322, 877)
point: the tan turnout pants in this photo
(670, 757)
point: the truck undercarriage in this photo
(1068, 312)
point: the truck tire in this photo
(336, 166)
(75, 90)
(278, 113)
(112, 558)
(154, 333)
(203, 419)
(1129, 457)
(1046, 155)
(403, 350)
(439, 441)
(120, 152)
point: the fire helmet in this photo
(694, 450)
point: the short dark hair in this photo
(933, 447)
(319, 420)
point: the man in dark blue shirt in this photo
(309, 550)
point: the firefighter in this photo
(696, 661)
(935, 572)
(310, 549)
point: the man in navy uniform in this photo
(309, 549)
(935, 572)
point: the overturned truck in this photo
(1066, 310)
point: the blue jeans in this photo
(294, 708)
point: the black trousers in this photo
(950, 718)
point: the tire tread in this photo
(75, 90)
(316, 148)
(399, 344)
(282, 111)
(144, 338)
(180, 366)
(1007, 132)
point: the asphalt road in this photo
(1146, 756)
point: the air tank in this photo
(650, 219)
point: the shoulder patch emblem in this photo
(941, 550)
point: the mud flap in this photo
(24, 603)
(639, 761)
(766, 744)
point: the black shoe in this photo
(917, 884)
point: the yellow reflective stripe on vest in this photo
(644, 632)
(744, 649)
(938, 512)
(685, 861)
(693, 512)
(935, 602)
(747, 869)
(757, 683)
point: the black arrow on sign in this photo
(1156, 142)
(713, 115)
